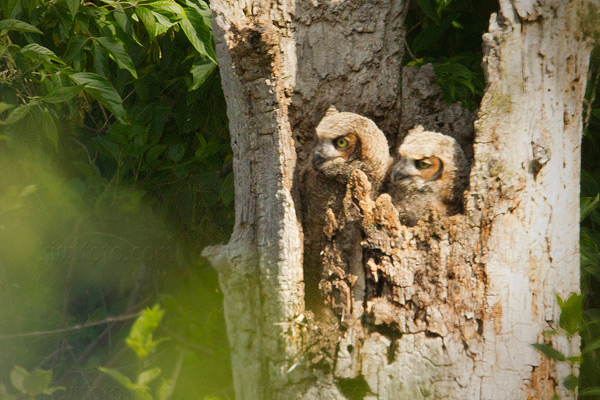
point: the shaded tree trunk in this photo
(451, 305)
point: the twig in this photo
(410, 52)
(73, 328)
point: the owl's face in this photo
(336, 154)
(416, 173)
(348, 141)
(430, 172)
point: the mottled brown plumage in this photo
(430, 172)
(345, 142)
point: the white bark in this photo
(453, 304)
(526, 179)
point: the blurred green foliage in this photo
(115, 171)
(140, 340)
(29, 385)
(590, 231)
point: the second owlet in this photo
(431, 172)
(345, 142)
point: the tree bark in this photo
(451, 305)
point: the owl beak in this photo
(398, 174)
(318, 159)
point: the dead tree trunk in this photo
(451, 305)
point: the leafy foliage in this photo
(447, 34)
(590, 233)
(116, 170)
(30, 385)
(141, 342)
(570, 325)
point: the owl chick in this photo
(431, 172)
(345, 142)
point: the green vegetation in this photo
(116, 171)
(590, 232)
(447, 34)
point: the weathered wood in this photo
(282, 64)
(525, 188)
(451, 305)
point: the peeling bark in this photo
(447, 308)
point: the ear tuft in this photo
(417, 129)
(331, 111)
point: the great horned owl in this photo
(431, 171)
(345, 142)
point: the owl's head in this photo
(429, 162)
(347, 141)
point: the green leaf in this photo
(100, 89)
(142, 394)
(550, 332)
(9, 7)
(169, 8)
(4, 395)
(155, 152)
(594, 315)
(148, 19)
(595, 345)
(38, 381)
(431, 34)
(16, 25)
(429, 8)
(74, 48)
(571, 313)
(457, 25)
(119, 377)
(73, 6)
(37, 51)
(198, 13)
(595, 391)
(201, 69)
(570, 382)
(549, 351)
(18, 375)
(144, 378)
(116, 50)
(101, 61)
(17, 114)
(163, 23)
(49, 128)
(587, 205)
(201, 8)
(176, 152)
(107, 148)
(193, 37)
(140, 337)
(62, 94)
(5, 107)
(165, 390)
(51, 390)
(574, 360)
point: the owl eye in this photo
(423, 164)
(341, 142)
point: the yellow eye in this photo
(423, 164)
(341, 142)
